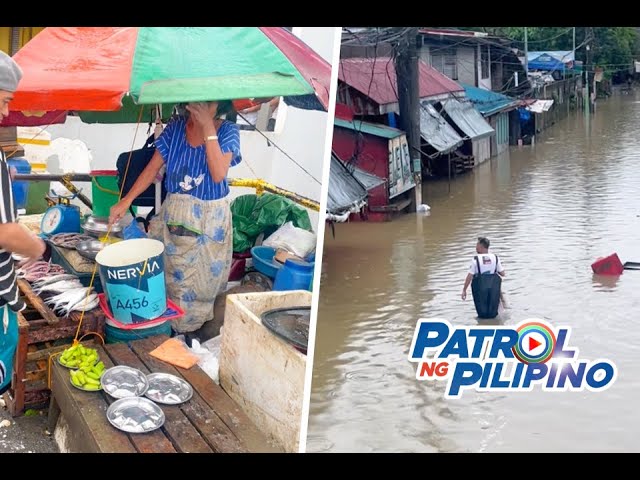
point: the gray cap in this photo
(10, 73)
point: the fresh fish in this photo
(74, 297)
(80, 305)
(59, 287)
(86, 306)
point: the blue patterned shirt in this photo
(187, 169)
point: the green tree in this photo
(612, 48)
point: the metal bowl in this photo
(124, 382)
(98, 227)
(89, 248)
(168, 389)
(135, 415)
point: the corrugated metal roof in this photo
(345, 192)
(368, 180)
(436, 131)
(467, 118)
(376, 129)
(376, 78)
(488, 102)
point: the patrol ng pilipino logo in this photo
(505, 359)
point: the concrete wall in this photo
(300, 133)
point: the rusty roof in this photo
(376, 78)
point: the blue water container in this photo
(294, 275)
(20, 189)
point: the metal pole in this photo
(50, 177)
(449, 161)
(526, 52)
(587, 100)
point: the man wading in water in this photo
(485, 276)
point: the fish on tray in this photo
(59, 287)
(34, 271)
(74, 300)
(68, 240)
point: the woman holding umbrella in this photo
(194, 222)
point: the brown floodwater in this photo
(549, 212)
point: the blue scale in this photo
(61, 218)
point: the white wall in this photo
(466, 66)
(483, 82)
(300, 133)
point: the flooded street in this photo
(549, 212)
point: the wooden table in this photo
(210, 422)
(40, 334)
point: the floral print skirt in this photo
(197, 237)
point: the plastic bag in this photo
(292, 239)
(253, 215)
(133, 230)
(208, 354)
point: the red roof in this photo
(357, 73)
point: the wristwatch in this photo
(211, 137)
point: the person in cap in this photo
(14, 238)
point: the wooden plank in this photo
(85, 412)
(207, 424)
(225, 408)
(35, 375)
(36, 399)
(152, 442)
(39, 323)
(16, 406)
(45, 353)
(37, 302)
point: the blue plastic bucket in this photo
(294, 275)
(20, 189)
(132, 277)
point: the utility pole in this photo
(574, 44)
(407, 74)
(587, 99)
(526, 53)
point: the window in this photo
(445, 61)
(484, 61)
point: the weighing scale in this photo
(61, 218)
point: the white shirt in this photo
(487, 264)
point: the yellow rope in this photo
(95, 265)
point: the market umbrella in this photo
(100, 69)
